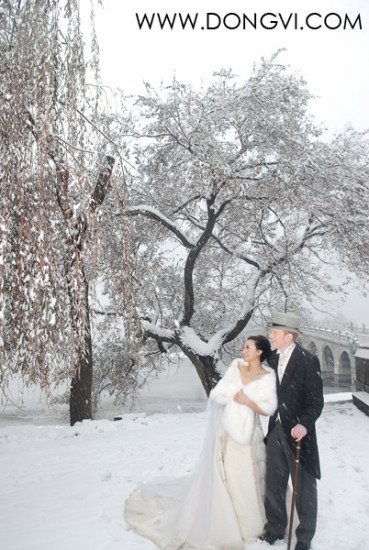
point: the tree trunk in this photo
(80, 405)
(206, 369)
(80, 402)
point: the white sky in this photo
(333, 62)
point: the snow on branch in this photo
(247, 310)
(152, 213)
(158, 333)
(191, 340)
(242, 257)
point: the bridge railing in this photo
(335, 335)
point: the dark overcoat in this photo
(300, 401)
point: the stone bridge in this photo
(335, 350)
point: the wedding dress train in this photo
(220, 505)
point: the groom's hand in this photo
(298, 432)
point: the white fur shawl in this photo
(237, 419)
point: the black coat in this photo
(300, 401)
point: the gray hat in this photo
(286, 321)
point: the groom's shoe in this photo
(270, 538)
(302, 546)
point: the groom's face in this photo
(280, 339)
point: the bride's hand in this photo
(241, 398)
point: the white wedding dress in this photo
(220, 505)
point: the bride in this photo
(220, 505)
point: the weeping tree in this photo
(120, 366)
(55, 175)
(235, 201)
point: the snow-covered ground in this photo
(63, 488)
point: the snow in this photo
(363, 396)
(159, 331)
(363, 349)
(192, 340)
(337, 397)
(146, 208)
(363, 340)
(63, 488)
(362, 353)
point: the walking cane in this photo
(294, 486)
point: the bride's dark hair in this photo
(262, 343)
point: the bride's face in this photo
(250, 352)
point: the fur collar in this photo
(237, 419)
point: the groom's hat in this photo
(286, 321)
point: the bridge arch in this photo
(335, 350)
(344, 368)
(312, 347)
(328, 365)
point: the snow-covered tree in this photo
(118, 332)
(235, 200)
(54, 177)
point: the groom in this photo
(300, 403)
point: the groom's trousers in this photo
(280, 465)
